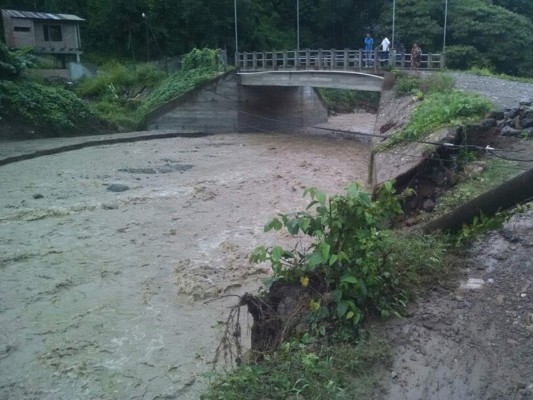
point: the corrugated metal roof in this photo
(41, 15)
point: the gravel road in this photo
(501, 92)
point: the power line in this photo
(488, 149)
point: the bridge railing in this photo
(333, 60)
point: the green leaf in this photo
(315, 259)
(276, 253)
(333, 259)
(342, 307)
(350, 315)
(321, 197)
(275, 224)
(325, 248)
(349, 279)
(293, 226)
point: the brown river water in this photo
(103, 294)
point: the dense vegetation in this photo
(483, 33)
(118, 98)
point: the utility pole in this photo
(145, 17)
(236, 31)
(393, 23)
(298, 25)
(445, 27)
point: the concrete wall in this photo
(224, 106)
(210, 109)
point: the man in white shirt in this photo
(385, 43)
(383, 56)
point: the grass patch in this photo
(438, 110)
(491, 74)
(495, 173)
(176, 85)
(308, 371)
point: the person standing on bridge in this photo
(369, 47)
(416, 54)
(384, 53)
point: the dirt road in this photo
(102, 292)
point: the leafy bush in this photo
(406, 83)
(122, 78)
(201, 59)
(351, 255)
(437, 83)
(12, 64)
(52, 110)
(465, 57)
(433, 83)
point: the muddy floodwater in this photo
(103, 293)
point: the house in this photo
(54, 38)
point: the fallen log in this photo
(510, 193)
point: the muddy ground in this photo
(102, 293)
(474, 341)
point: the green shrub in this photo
(432, 83)
(51, 110)
(200, 59)
(12, 64)
(437, 82)
(352, 254)
(121, 78)
(465, 57)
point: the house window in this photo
(52, 33)
(22, 28)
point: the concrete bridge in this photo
(323, 79)
(273, 91)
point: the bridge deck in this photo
(333, 60)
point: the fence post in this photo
(346, 60)
(284, 59)
(307, 59)
(320, 61)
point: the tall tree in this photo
(502, 36)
